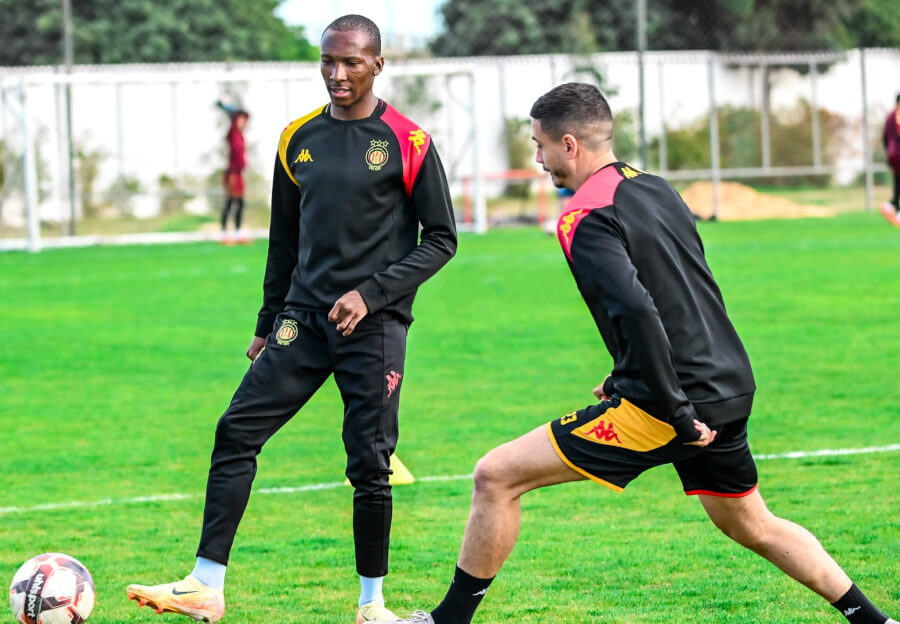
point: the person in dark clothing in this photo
(681, 386)
(234, 172)
(890, 138)
(354, 180)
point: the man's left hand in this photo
(348, 311)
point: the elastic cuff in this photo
(608, 389)
(264, 325)
(372, 294)
(686, 431)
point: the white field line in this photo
(155, 498)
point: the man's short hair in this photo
(574, 108)
(898, 98)
(358, 22)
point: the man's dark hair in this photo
(898, 98)
(574, 108)
(358, 22)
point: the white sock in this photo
(371, 589)
(210, 573)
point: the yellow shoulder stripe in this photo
(286, 135)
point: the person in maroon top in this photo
(890, 138)
(234, 172)
(681, 387)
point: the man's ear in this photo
(379, 65)
(571, 145)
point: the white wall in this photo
(153, 120)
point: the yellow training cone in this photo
(401, 476)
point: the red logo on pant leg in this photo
(393, 380)
(604, 431)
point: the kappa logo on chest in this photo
(303, 157)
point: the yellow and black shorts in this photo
(615, 441)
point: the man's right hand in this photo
(256, 347)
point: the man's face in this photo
(349, 67)
(552, 155)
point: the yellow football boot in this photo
(189, 597)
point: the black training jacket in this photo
(347, 201)
(633, 248)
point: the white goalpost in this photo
(144, 123)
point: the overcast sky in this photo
(417, 19)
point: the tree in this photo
(149, 31)
(876, 24)
(500, 27)
(474, 27)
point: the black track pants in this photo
(300, 354)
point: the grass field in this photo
(116, 363)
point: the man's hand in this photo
(348, 311)
(707, 435)
(598, 391)
(257, 345)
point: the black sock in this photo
(858, 609)
(462, 599)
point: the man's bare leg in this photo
(792, 549)
(501, 477)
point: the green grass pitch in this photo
(117, 362)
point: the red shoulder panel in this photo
(414, 144)
(597, 192)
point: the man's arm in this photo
(284, 239)
(431, 198)
(604, 269)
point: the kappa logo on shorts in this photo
(603, 431)
(287, 333)
(393, 380)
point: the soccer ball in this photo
(52, 589)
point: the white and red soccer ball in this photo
(52, 589)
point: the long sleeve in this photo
(284, 240)
(606, 276)
(434, 210)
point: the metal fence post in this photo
(867, 147)
(713, 132)
(29, 162)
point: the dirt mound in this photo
(739, 202)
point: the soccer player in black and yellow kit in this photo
(681, 386)
(353, 182)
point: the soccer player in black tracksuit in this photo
(353, 182)
(681, 386)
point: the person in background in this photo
(890, 138)
(234, 173)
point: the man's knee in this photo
(227, 431)
(491, 473)
(369, 474)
